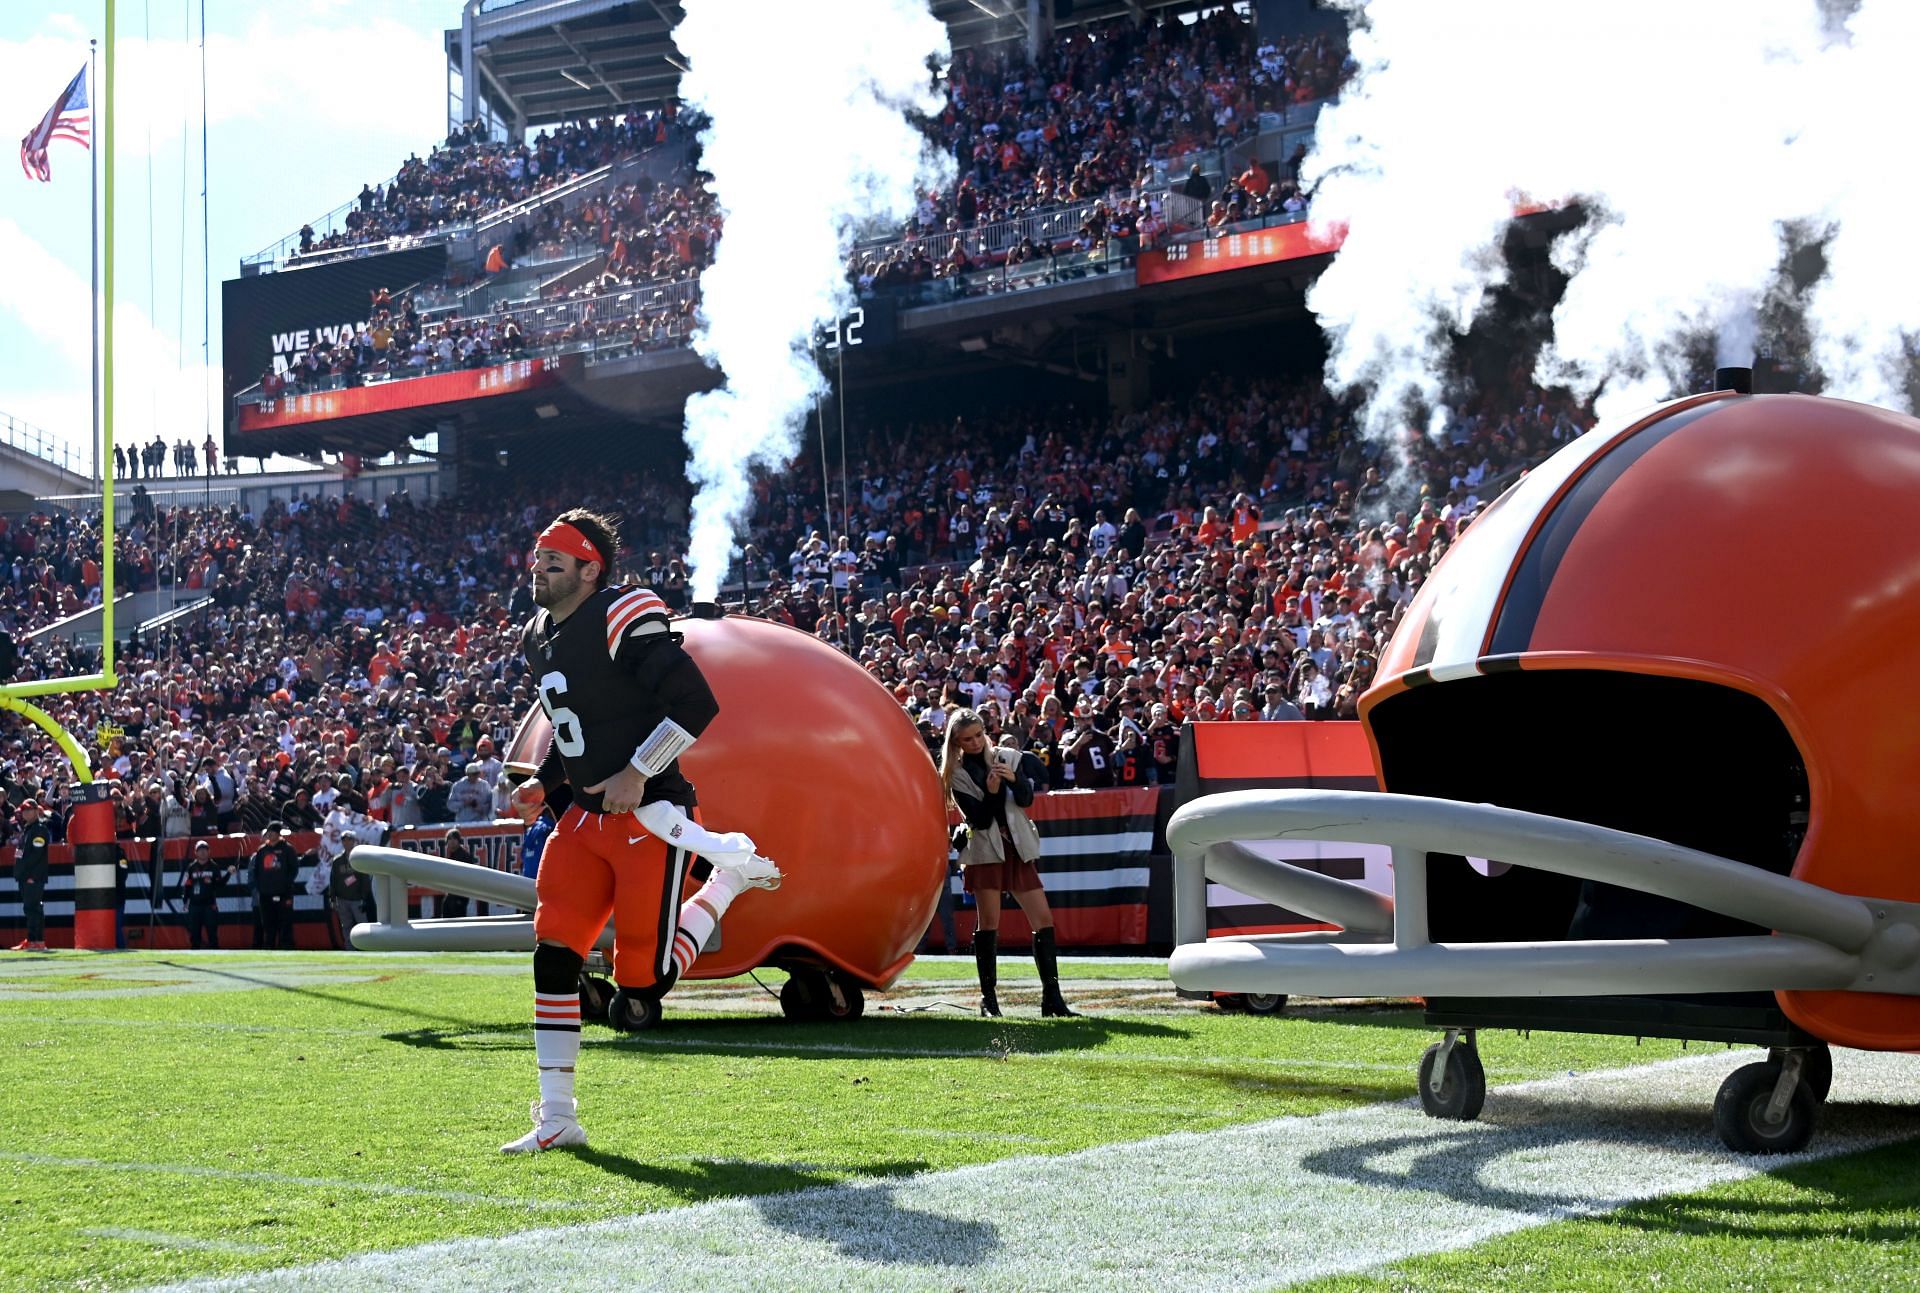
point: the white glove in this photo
(667, 822)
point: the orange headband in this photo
(562, 537)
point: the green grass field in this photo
(168, 1117)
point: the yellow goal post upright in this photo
(13, 695)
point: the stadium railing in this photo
(494, 225)
(30, 439)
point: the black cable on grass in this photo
(763, 987)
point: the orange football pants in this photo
(597, 865)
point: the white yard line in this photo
(942, 1133)
(1260, 1206)
(283, 1178)
(165, 1239)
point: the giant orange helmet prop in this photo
(823, 768)
(1699, 625)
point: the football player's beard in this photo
(553, 588)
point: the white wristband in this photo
(666, 743)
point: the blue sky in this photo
(305, 103)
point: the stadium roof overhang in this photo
(972, 23)
(539, 62)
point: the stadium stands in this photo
(1214, 554)
(470, 176)
(1073, 161)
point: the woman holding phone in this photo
(992, 793)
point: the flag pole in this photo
(93, 210)
(13, 695)
(107, 106)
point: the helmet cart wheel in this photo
(1462, 1089)
(1740, 1112)
(1816, 1070)
(846, 998)
(804, 996)
(596, 994)
(632, 1013)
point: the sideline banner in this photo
(1096, 861)
(155, 917)
(1100, 854)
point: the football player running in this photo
(625, 701)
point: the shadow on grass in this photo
(1364, 1014)
(475, 1037)
(1467, 1162)
(1250, 1082)
(861, 1219)
(937, 1037)
(905, 1038)
(1855, 1192)
(337, 998)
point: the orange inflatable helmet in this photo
(1695, 624)
(823, 768)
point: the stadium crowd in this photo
(1096, 110)
(470, 175)
(1086, 129)
(1088, 583)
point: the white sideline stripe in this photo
(1123, 877)
(1259, 1206)
(1061, 846)
(283, 1178)
(162, 1239)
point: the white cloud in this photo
(372, 78)
(297, 105)
(155, 393)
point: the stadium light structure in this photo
(14, 695)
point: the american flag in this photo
(68, 118)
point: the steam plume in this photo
(1696, 133)
(809, 143)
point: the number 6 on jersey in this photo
(566, 724)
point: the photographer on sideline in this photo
(992, 792)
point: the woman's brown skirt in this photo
(1001, 877)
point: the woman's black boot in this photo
(986, 958)
(1052, 1004)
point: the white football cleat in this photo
(751, 871)
(554, 1130)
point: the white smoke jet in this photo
(1684, 126)
(1865, 311)
(809, 142)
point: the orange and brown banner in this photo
(1213, 255)
(287, 410)
(155, 919)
